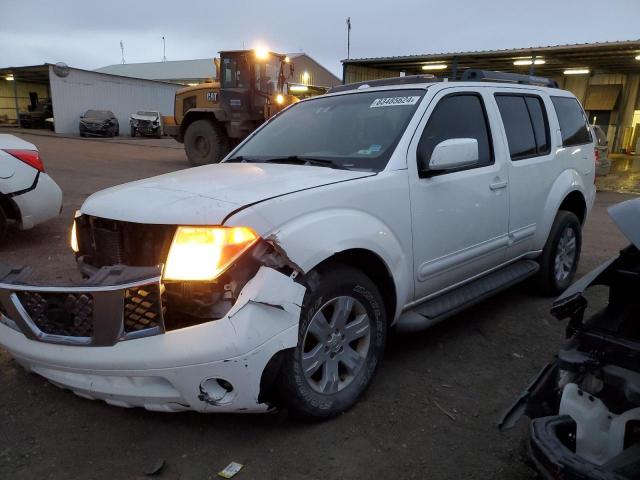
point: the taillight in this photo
(30, 157)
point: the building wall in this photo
(7, 97)
(317, 75)
(81, 90)
(360, 73)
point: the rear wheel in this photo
(341, 341)
(205, 143)
(559, 260)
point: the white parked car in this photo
(272, 279)
(28, 196)
(603, 163)
(146, 123)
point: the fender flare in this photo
(332, 231)
(567, 182)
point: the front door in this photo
(460, 217)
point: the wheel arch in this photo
(9, 208)
(568, 192)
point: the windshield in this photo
(147, 114)
(98, 114)
(356, 131)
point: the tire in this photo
(117, 131)
(563, 245)
(133, 132)
(315, 395)
(205, 143)
(4, 224)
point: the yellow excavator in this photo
(211, 118)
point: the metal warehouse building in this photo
(73, 91)
(604, 76)
(307, 71)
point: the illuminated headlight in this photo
(279, 99)
(203, 253)
(74, 238)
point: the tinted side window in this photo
(540, 124)
(573, 122)
(525, 122)
(517, 125)
(457, 116)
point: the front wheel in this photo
(559, 260)
(341, 340)
(205, 142)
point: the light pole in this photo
(164, 49)
(348, 36)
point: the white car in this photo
(146, 123)
(28, 196)
(272, 279)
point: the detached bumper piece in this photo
(551, 448)
(115, 304)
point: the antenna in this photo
(164, 50)
(122, 50)
(348, 36)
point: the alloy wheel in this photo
(336, 344)
(565, 255)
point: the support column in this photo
(15, 98)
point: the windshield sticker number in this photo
(371, 150)
(394, 101)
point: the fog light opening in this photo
(216, 391)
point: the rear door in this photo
(459, 217)
(526, 136)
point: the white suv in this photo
(272, 279)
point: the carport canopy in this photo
(552, 61)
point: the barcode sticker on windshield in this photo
(393, 101)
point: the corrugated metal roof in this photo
(202, 68)
(506, 51)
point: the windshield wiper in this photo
(293, 159)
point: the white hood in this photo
(150, 118)
(206, 195)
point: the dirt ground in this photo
(472, 366)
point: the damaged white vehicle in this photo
(272, 279)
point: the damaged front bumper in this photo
(99, 342)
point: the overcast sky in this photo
(88, 34)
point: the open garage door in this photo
(25, 94)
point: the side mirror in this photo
(454, 153)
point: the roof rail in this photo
(473, 75)
(406, 80)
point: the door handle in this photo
(497, 185)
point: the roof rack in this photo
(406, 80)
(474, 75)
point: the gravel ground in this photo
(471, 366)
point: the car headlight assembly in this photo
(204, 253)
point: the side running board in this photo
(437, 309)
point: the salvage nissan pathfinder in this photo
(272, 279)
